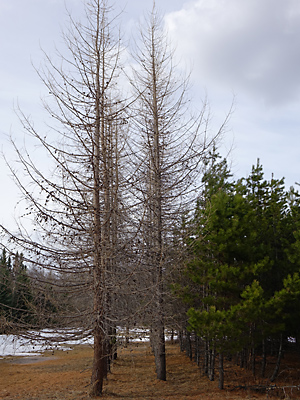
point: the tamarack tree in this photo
(170, 146)
(77, 208)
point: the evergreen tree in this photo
(21, 292)
(5, 285)
(244, 261)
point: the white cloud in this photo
(249, 45)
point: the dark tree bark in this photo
(279, 357)
(253, 360)
(221, 372)
(188, 345)
(211, 364)
(99, 370)
(181, 340)
(197, 350)
(263, 359)
(206, 360)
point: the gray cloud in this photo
(251, 45)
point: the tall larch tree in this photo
(77, 208)
(170, 146)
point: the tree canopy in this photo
(244, 265)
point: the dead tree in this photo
(169, 146)
(77, 208)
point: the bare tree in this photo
(170, 145)
(103, 227)
(78, 208)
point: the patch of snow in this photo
(39, 342)
(12, 345)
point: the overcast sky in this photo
(248, 50)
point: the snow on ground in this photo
(38, 342)
(13, 345)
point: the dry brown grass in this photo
(67, 376)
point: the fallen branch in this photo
(265, 388)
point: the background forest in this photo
(240, 282)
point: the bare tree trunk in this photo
(181, 341)
(159, 352)
(221, 372)
(280, 353)
(99, 371)
(253, 360)
(211, 366)
(188, 345)
(197, 350)
(172, 336)
(206, 360)
(126, 336)
(263, 359)
(158, 332)
(99, 368)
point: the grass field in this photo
(66, 375)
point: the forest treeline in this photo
(26, 298)
(241, 283)
(15, 293)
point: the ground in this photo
(66, 375)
